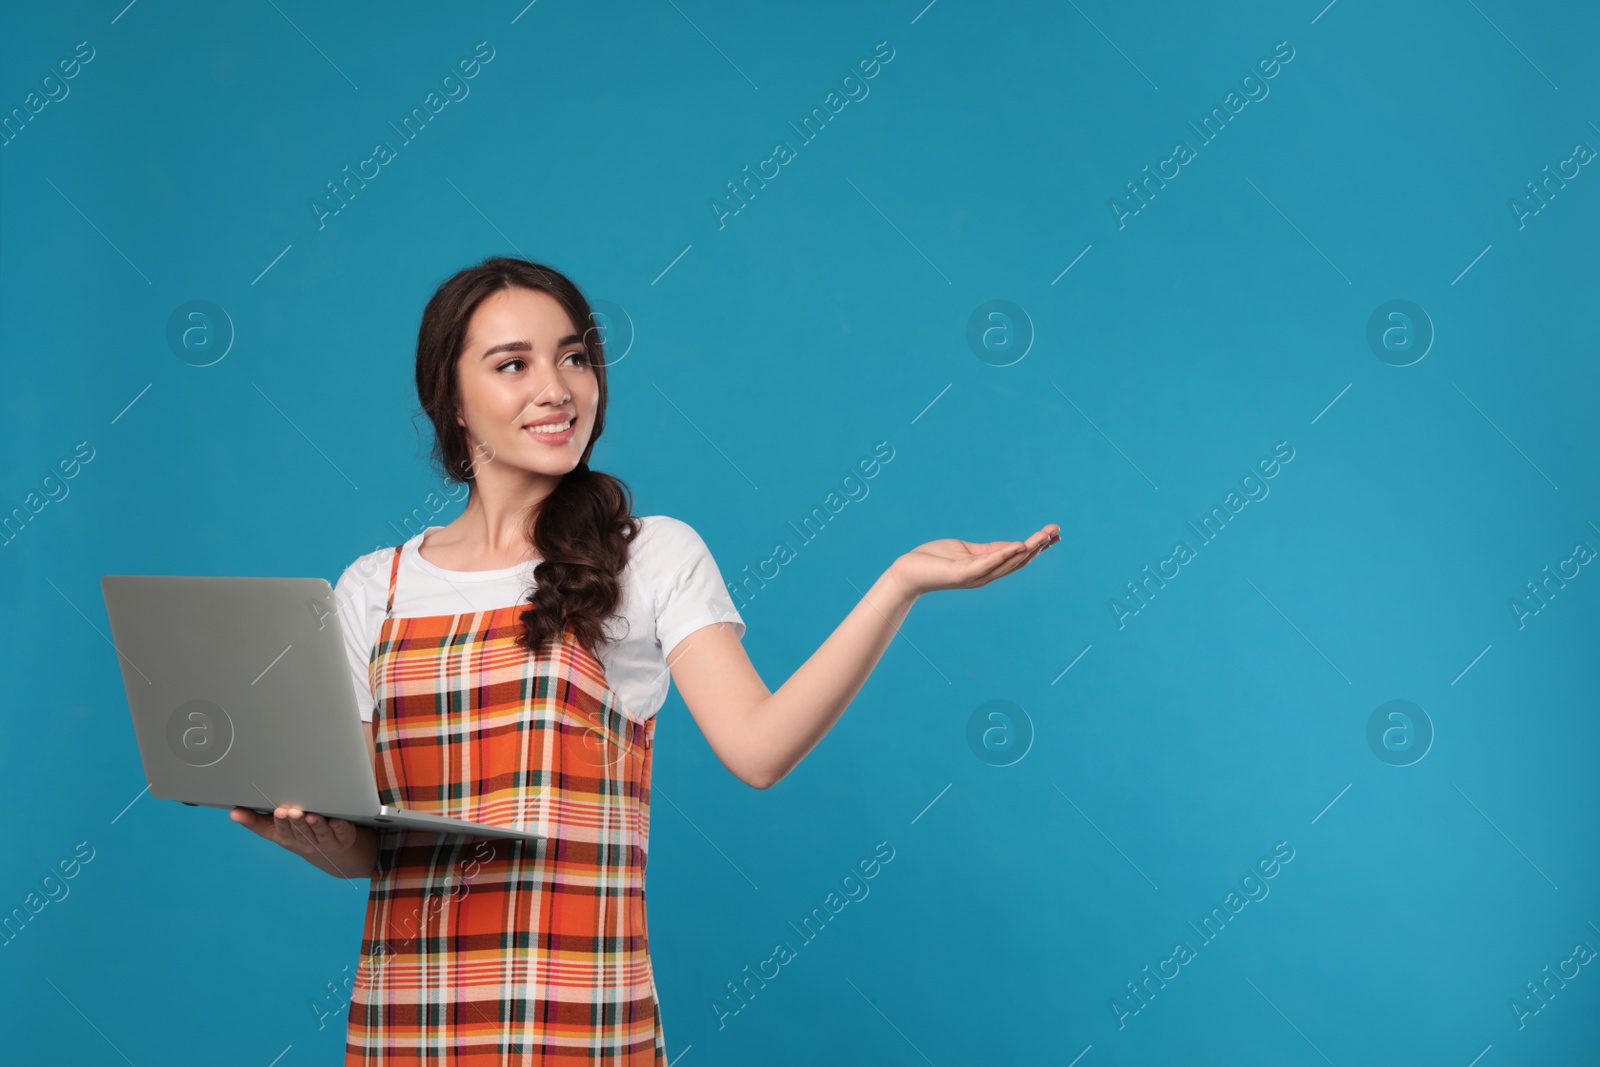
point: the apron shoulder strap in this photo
(394, 571)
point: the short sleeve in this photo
(352, 603)
(688, 589)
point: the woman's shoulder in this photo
(368, 570)
(663, 538)
(650, 525)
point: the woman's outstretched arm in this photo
(760, 735)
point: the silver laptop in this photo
(241, 695)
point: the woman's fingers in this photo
(1045, 540)
(322, 831)
(986, 568)
(1016, 558)
(251, 820)
(1000, 557)
(304, 833)
(295, 829)
(989, 548)
(1016, 562)
(283, 826)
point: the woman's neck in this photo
(488, 535)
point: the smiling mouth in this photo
(551, 429)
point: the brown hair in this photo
(583, 529)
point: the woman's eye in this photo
(581, 356)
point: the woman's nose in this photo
(548, 388)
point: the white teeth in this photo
(554, 427)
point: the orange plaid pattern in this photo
(480, 951)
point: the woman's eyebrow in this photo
(524, 346)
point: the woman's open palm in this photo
(950, 563)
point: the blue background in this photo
(772, 353)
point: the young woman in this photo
(491, 701)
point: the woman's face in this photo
(523, 362)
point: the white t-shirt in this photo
(671, 587)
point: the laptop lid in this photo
(241, 691)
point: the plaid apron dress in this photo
(479, 951)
